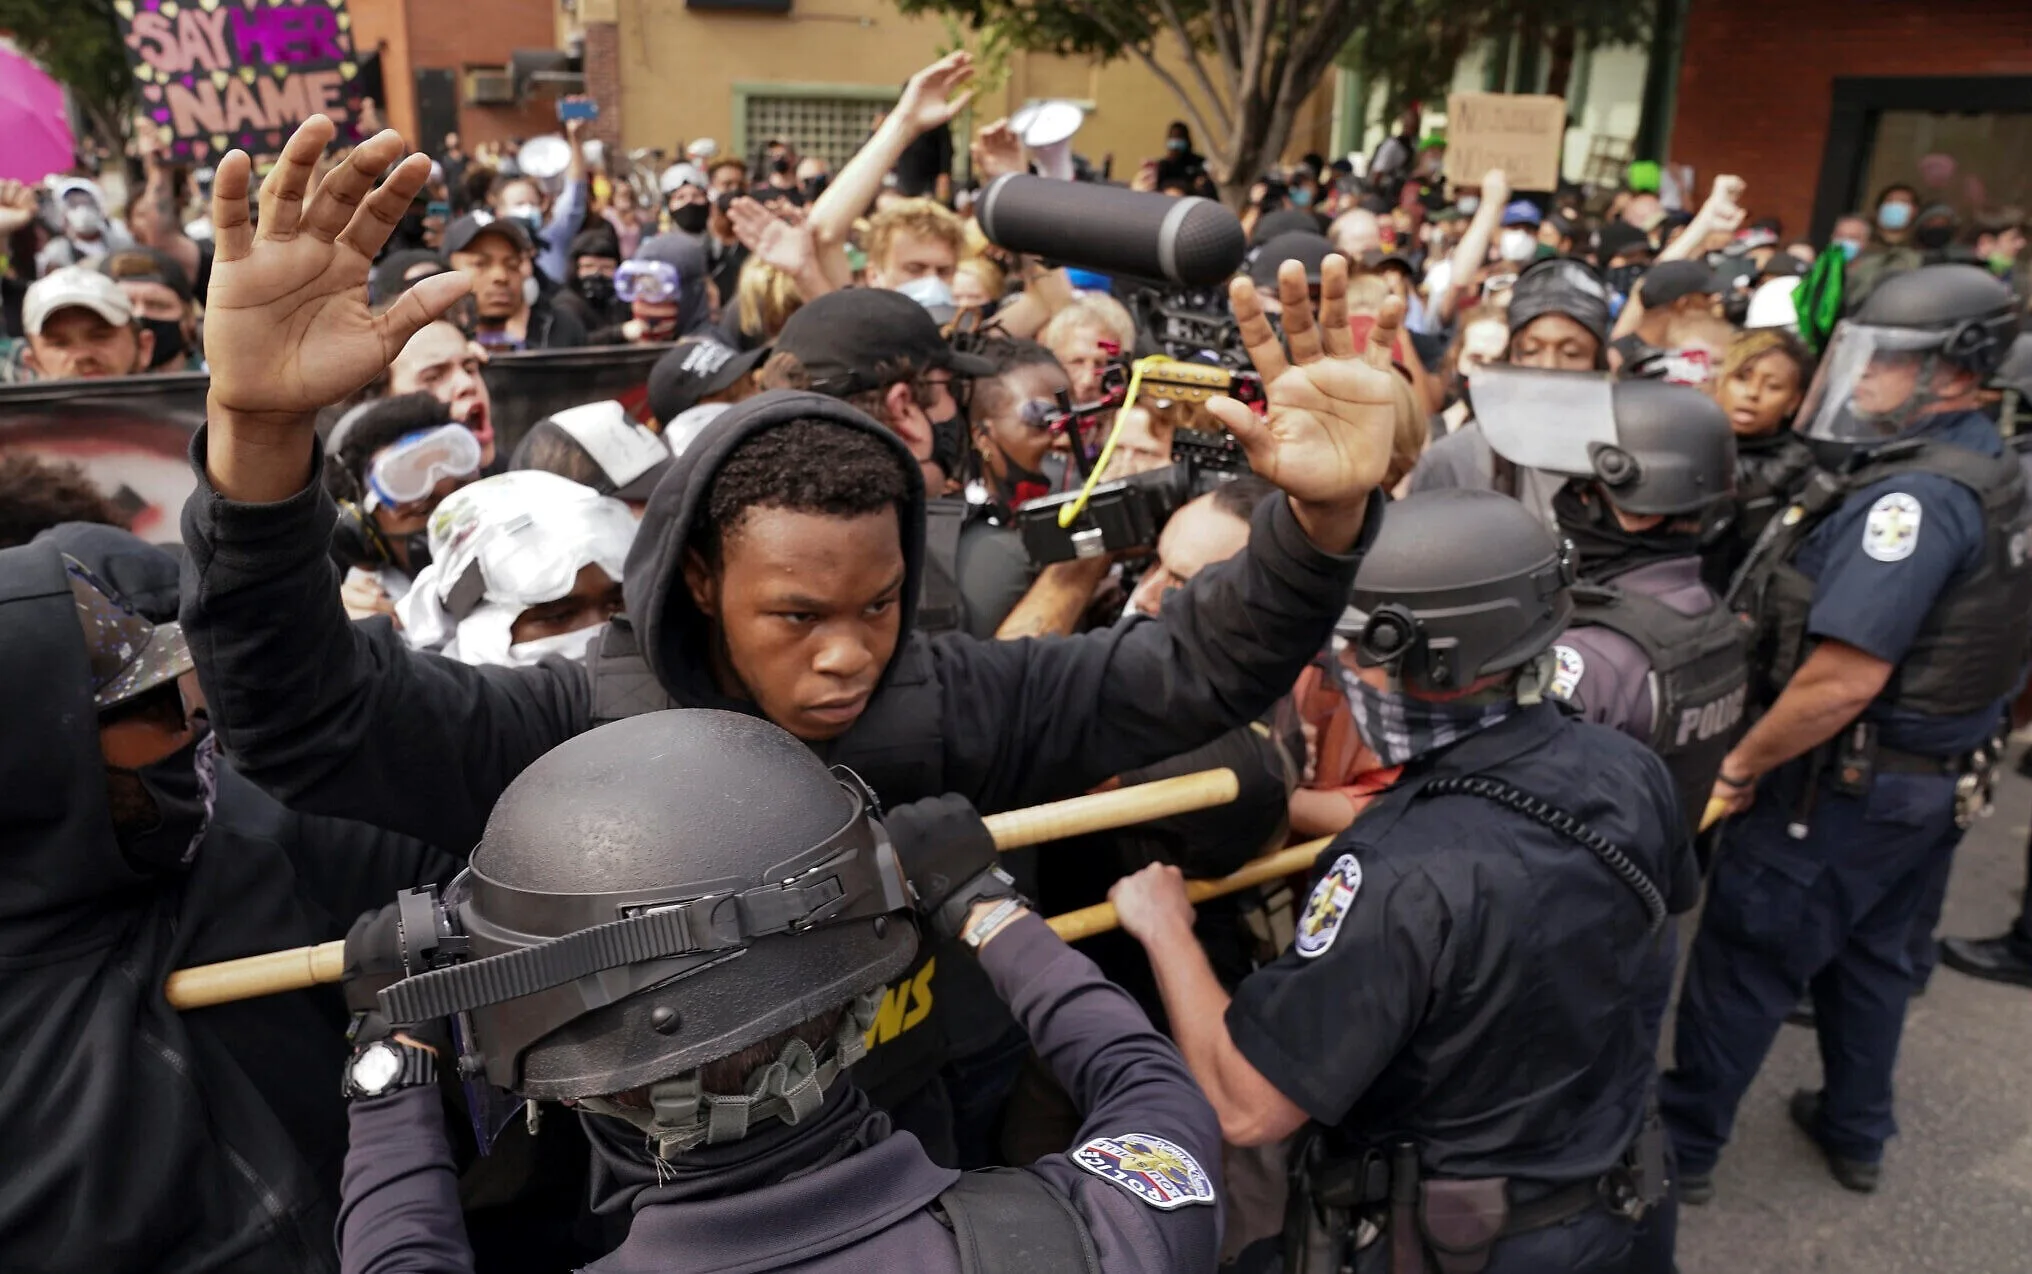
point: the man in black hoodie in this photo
(143, 1138)
(730, 601)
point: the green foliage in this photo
(78, 43)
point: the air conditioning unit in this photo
(489, 86)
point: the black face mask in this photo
(180, 788)
(814, 186)
(168, 341)
(597, 290)
(1604, 548)
(1934, 235)
(691, 218)
(779, 166)
(1623, 278)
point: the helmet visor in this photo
(1871, 384)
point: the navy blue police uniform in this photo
(1819, 882)
(1471, 980)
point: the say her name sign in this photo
(215, 74)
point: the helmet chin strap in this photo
(682, 1116)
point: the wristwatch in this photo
(387, 1065)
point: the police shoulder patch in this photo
(1321, 921)
(1891, 531)
(1568, 668)
(1161, 1173)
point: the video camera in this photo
(1129, 513)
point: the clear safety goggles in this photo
(651, 281)
(1872, 382)
(412, 468)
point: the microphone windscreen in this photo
(1194, 242)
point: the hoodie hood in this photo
(143, 575)
(63, 858)
(687, 254)
(675, 635)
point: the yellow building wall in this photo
(679, 67)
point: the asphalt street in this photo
(1957, 1190)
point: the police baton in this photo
(1101, 917)
(300, 967)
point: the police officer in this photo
(695, 965)
(1890, 606)
(1462, 1018)
(1652, 651)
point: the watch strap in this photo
(419, 1067)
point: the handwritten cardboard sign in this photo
(1522, 134)
(215, 74)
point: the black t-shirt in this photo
(922, 162)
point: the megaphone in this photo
(544, 157)
(1047, 129)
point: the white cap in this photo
(681, 175)
(702, 149)
(74, 285)
(1771, 305)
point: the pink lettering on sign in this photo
(195, 39)
(299, 34)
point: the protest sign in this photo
(215, 74)
(1522, 134)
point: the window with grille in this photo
(832, 128)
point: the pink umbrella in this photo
(32, 120)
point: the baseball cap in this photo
(1561, 285)
(390, 277)
(1304, 247)
(459, 235)
(147, 265)
(74, 286)
(1521, 212)
(1285, 221)
(694, 369)
(1620, 237)
(630, 458)
(128, 655)
(1671, 280)
(682, 174)
(843, 339)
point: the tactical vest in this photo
(940, 606)
(1699, 678)
(1975, 641)
(897, 748)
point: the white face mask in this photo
(929, 291)
(572, 645)
(530, 291)
(1468, 203)
(1516, 244)
(84, 220)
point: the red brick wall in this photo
(452, 35)
(1757, 78)
(603, 84)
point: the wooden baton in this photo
(1101, 917)
(1716, 807)
(300, 967)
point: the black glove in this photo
(374, 962)
(949, 858)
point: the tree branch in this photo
(1156, 68)
(1192, 58)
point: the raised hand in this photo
(998, 150)
(1326, 437)
(778, 243)
(287, 328)
(1495, 188)
(17, 206)
(923, 105)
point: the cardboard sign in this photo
(215, 74)
(1521, 134)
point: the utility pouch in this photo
(1461, 1221)
(1855, 760)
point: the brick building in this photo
(1818, 104)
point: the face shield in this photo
(1873, 383)
(1550, 420)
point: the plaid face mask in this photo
(1399, 729)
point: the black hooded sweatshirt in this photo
(141, 1138)
(335, 717)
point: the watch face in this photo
(376, 1068)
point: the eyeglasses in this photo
(1037, 413)
(412, 468)
(651, 281)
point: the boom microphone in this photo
(1194, 242)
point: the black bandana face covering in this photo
(183, 787)
(1400, 728)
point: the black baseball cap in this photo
(1620, 237)
(694, 369)
(1669, 281)
(459, 235)
(1304, 247)
(844, 338)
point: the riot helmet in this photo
(1651, 447)
(1879, 374)
(1460, 584)
(657, 894)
